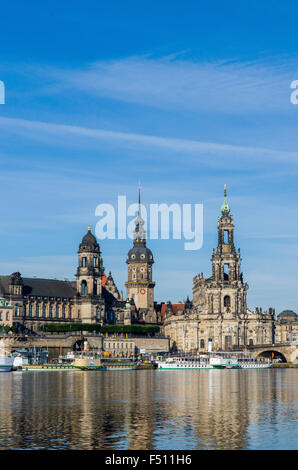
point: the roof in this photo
(42, 287)
(50, 287)
(140, 253)
(89, 242)
(287, 313)
(175, 308)
(108, 296)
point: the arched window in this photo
(50, 311)
(84, 261)
(94, 262)
(63, 311)
(251, 342)
(227, 301)
(57, 311)
(84, 288)
(95, 287)
(202, 344)
(24, 310)
(30, 310)
(44, 311)
(226, 272)
(37, 310)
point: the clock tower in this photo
(140, 286)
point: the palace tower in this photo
(140, 286)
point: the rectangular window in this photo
(84, 262)
(63, 311)
(44, 311)
(30, 310)
(226, 272)
(51, 311)
(226, 237)
(37, 310)
(0, 315)
(7, 316)
(57, 311)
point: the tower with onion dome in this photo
(90, 269)
(140, 286)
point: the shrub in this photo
(110, 329)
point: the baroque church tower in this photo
(219, 318)
(140, 286)
(226, 268)
(91, 305)
(90, 269)
(226, 293)
(222, 297)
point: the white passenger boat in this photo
(183, 363)
(19, 361)
(222, 360)
(6, 361)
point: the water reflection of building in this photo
(213, 405)
(77, 410)
(143, 409)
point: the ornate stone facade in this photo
(219, 315)
(286, 327)
(92, 298)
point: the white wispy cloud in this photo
(176, 83)
(65, 135)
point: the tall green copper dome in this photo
(225, 208)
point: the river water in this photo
(149, 409)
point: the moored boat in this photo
(183, 363)
(6, 359)
(6, 363)
(221, 360)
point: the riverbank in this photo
(285, 365)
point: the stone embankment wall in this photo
(61, 344)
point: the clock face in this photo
(142, 291)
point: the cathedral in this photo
(218, 316)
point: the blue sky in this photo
(183, 96)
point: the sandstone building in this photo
(92, 298)
(219, 314)
(217, 317)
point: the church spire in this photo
(139, 233)
(139, 202)
(225, 208)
